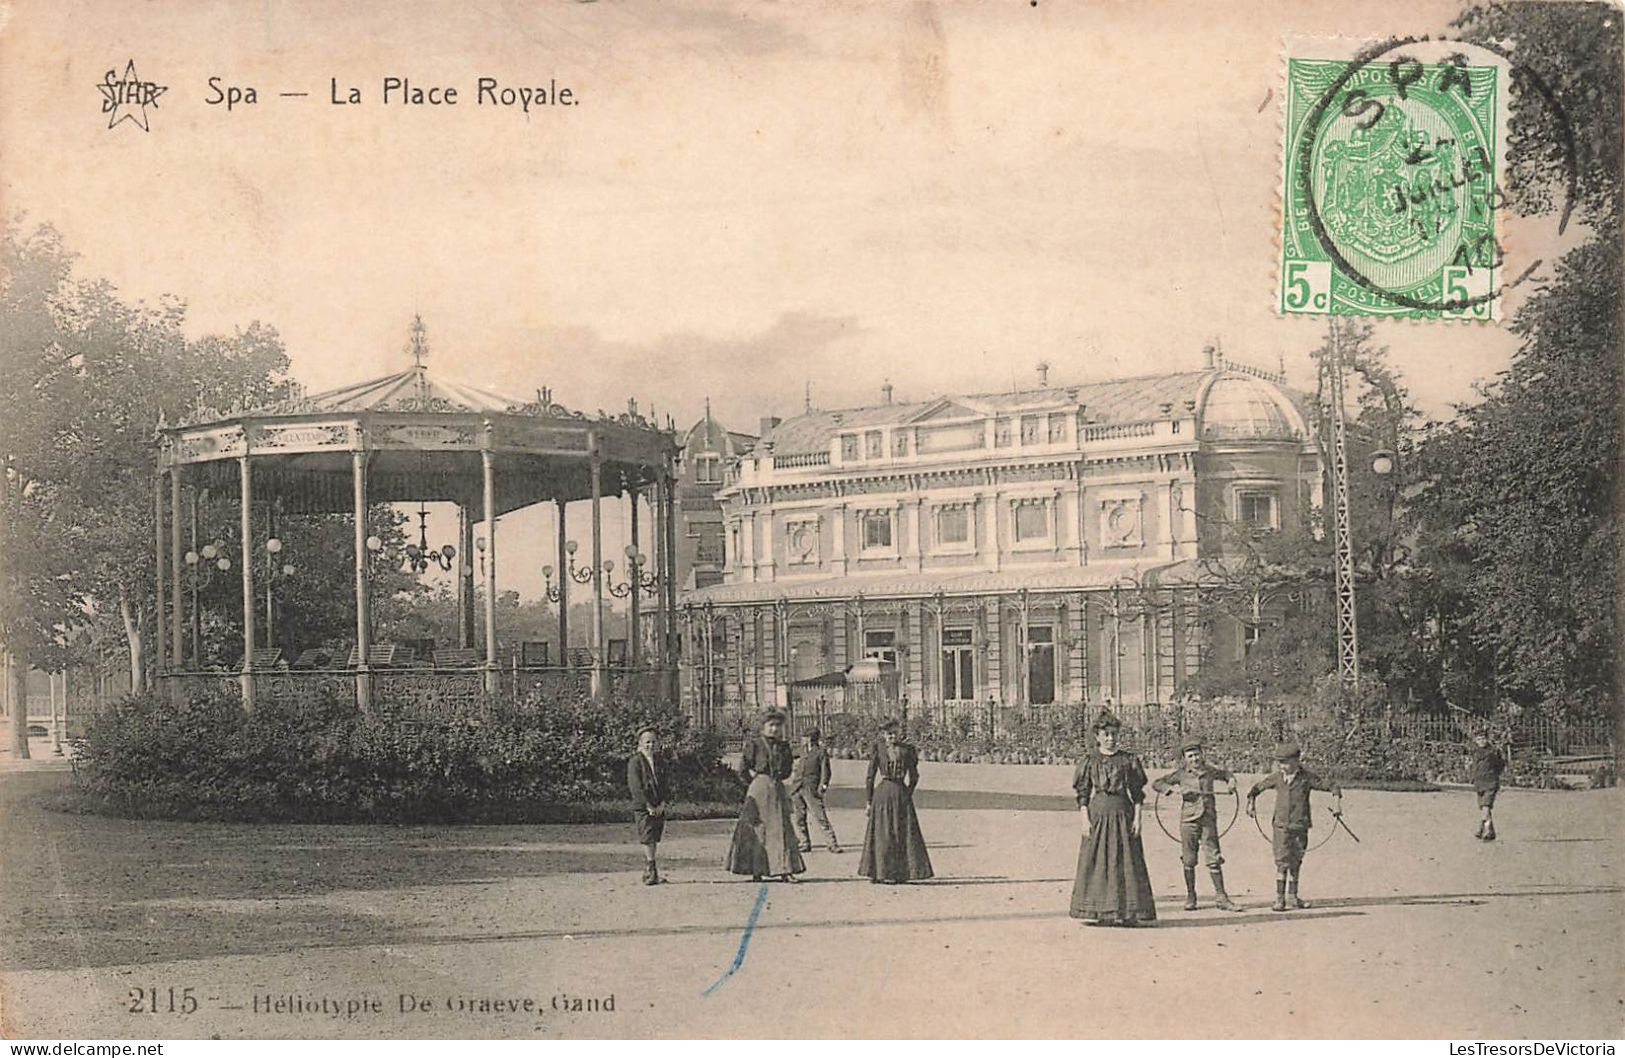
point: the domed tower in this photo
(1259, 466)
(707, 449)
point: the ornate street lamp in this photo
(579, 574)
(635, 577)
(203, 562)
(273, 548)
(551, 591)
(420, 555)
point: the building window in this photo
(899, 443)
(1057, 428)
(1040, 664)
(1256, 509)
(953, 525)
(708, 470)
(881, 644)
(872, 448)
(877, 531)
(737, 538)
(849, 448)
(708, 551)
(958, 665)
(1001, 433)
(1032, 522)
(1250, 635)
(1029, 429)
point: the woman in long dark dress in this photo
(893, 847)
(1113, 887)
(763, 841)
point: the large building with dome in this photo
(1053, 545)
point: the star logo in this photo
(127, 98)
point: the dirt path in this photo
(1419, 930)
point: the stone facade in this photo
(1032, 547)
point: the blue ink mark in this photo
(744, 942)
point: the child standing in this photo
(1486, 775)
(809, 779)
(1199, 819)
(1291, 782)
(648, 800)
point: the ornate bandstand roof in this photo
(424, 439)
(414, 389)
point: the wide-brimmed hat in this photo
(1287, 751)
(1107, 721)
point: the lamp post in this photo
(273, 571)
(1385, 464)
(581, 575)
(636, 584)
(420, 555)
(200, 562)
(1348, 633)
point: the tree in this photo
(1516, 499)
(1574, 52)
(85, 379)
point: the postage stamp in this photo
(1390, 186)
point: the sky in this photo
(748, 199)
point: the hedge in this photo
(207, 759)
(1343, 747)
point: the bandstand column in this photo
(177, 616)
(363, 615)
(245, 478)
(160, 660)
(600, 648)
(674, 648)
(658, 509)
(465, 576)
(488, 482)
(564, 589)
(633, 632)
(692, 697)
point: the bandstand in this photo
(414, 438)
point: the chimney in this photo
(767, 423)
(885, 393)
(1207, 357)
(1043, 374)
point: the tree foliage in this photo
(86, 377)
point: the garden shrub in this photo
(516, 762)
(1345, 738)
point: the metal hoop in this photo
(1235, 811)
(1331, 832)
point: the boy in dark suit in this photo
(1486, 775)
(1197, 781)
(809, 779)
(1291, 782)
(648, 800)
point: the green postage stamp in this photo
(1391, 194)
